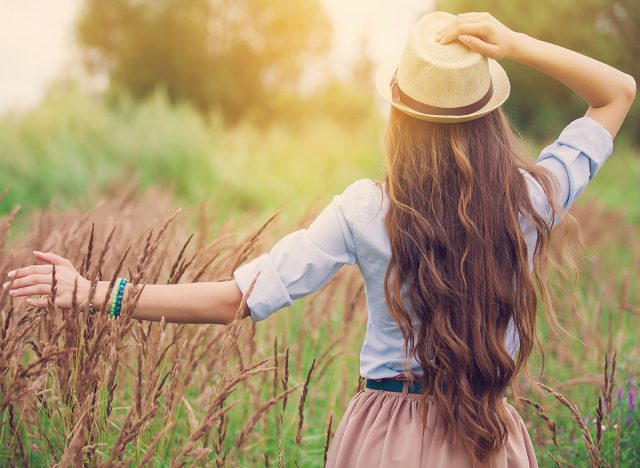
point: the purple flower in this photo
(628, 420)
(632, 402)
(620, 393)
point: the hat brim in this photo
(501, 89)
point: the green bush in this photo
(75, 145)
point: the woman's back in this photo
(351, 230)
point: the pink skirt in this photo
(384, 429)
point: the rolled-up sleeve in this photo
(302, 261)
(574, 158)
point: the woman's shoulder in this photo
(363, 194)
(362, 185)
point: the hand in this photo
(36, 280)
(480, 32)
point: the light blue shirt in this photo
(350, 230)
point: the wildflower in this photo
(632, 402)
(620, 393)
(628, 420)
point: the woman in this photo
(446, 246)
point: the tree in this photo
(233, 55)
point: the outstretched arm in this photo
(207, 302)
(608, 91)
(300, 263)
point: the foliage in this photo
(78, 388)
(237, 56)
(604, 29)
(75, 146)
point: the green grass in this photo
(75, 146)
(617, 183)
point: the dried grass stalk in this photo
(301, 404)
(594, 454)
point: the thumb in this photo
(477, 44)
(52, 258)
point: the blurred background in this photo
(255, 104)
(231, 110)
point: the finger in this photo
(52, 258)
(28, 280)
(464, 18)
(458, 21)
(31, 290)
(474, 14)
(474, 43)
(470, 14)
(41, 302)
(30, 270)
(471, 29)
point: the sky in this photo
(37, 43)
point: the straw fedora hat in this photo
(442, 83)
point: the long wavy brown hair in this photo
(459, 271)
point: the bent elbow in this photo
(629, 88)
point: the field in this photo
(76, 388)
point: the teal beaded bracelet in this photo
(116, 303)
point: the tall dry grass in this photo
(83, 389)
(79, 389)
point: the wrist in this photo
(518, 48)
(101, 291)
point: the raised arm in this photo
(608, 91)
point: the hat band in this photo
(399, 96)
